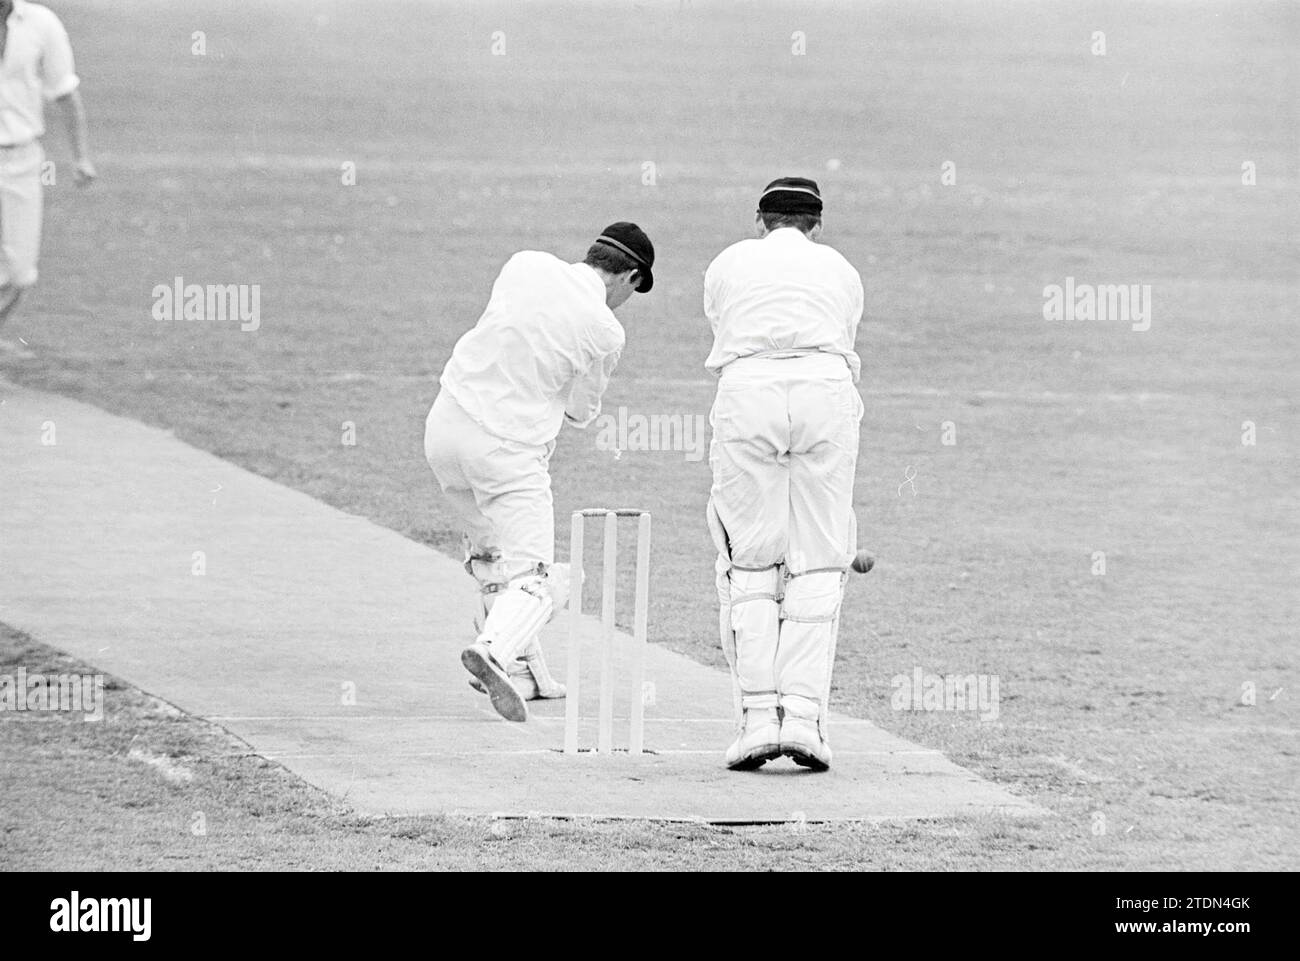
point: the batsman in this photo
(784, 311)
(540, 355)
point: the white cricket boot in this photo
(506, 699)
(758, 741)
(530, 676)
(802, 742)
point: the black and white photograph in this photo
(650, 436)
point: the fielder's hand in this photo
(84, 173)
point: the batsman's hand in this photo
(84, 172)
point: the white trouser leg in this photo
(749, 505)
(825, 413)
(21, 210)
(824, 421)
(500, 492)
(749, 502)
(751, 476)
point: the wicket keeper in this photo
(541, 354)
(785, 312)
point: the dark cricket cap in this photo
(791, 195)
(631, 240)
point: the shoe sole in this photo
(477, 685)
(805, 758)
(505, 699)
(756, 758)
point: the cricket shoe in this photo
(525, 684)
(530, 676)
(758, 742)
(802, 742)
(506, 700)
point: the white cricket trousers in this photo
(21, 209)
(500, 490)
(784, 452)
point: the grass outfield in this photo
(1120, 694)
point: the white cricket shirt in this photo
(545, 347)
(782, 292)
(37, 66)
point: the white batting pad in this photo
(517, 615)
(809, 612)
(755, 623)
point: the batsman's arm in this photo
(588, 388)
